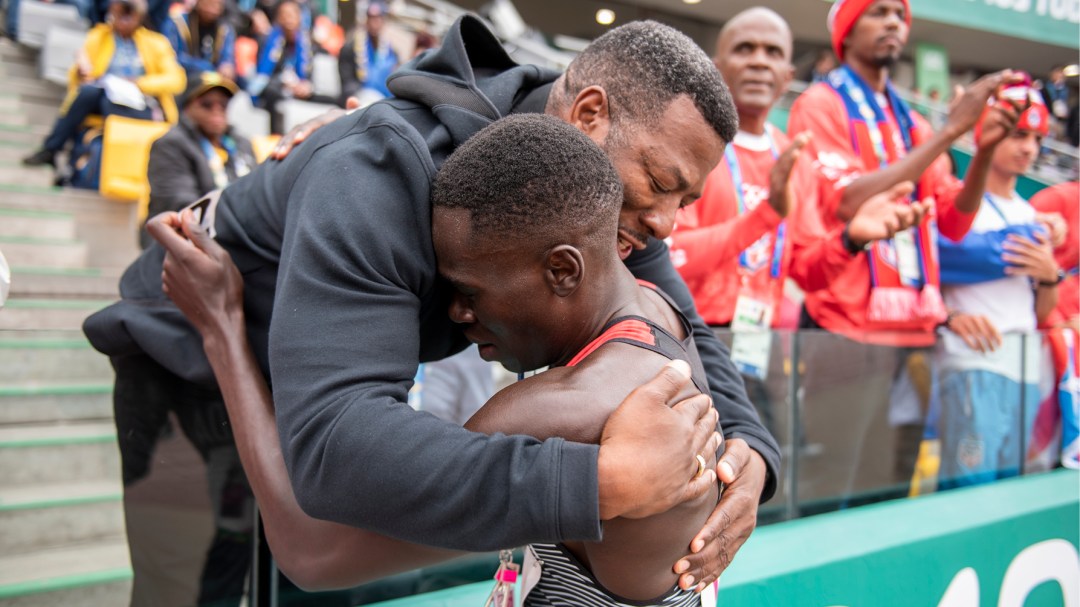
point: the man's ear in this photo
(565, 269)
(589, 113)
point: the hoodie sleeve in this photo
(356, 276)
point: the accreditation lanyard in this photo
(873, 115)
(907, 243)
(217, 166)
(737, 180)
(993, 205)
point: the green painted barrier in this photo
(1009, 544)
(910, 552)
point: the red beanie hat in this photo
(845, 13)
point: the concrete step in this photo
(44, 252)
(15, 153)
(34, 88)
(12, 52)
(42, 358)
(108, 228)
(20, 69)
(37, 454)
(10, 103)
(13, 117)
(98, 573)
(23, 134)
(41, 114)
(32, 402)
(48, 516)
(100, 283)
(48, 314)
(38, 104)
(41, 177)
(54, 198)
(36, 224)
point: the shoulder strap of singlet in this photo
(627, 329)
(644, 333)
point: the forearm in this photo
(816, 264)
(1046, 300)
(970, 196)
(314, 554)
(909, 168)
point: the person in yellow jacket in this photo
(123, 68)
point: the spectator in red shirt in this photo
(1062, 199)
(731, 246)
(866, 140)
(728, 245)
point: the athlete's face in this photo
(663, 168)
(1016, 153)
(879, 35)
(755, 61)
(501, 298)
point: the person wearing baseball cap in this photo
(119, 50)
(201, 153)
(1001, 278)
(865, 140)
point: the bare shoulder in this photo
(570, 402)
(543, 406)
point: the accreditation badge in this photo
(530, 572)
(907, 257)
(753, 338)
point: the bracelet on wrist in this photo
(850, 246)
(1053, 283)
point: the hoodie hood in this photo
(469, 81)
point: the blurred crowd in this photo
(145, 61)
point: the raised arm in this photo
(963, 114)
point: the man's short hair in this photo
(643, 66)
(533, 176)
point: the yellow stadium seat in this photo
(262, 146)
(125, 152)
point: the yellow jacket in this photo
(164, 78)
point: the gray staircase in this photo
(62, 537)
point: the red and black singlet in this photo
(644, 333)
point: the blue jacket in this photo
(185, 42)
